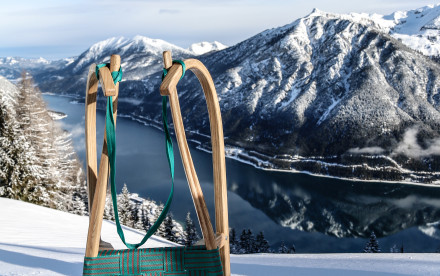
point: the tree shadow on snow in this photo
(44, 248)
(257, 270)
(24, 260)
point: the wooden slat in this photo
(107, 83)
(98, 202)
(168, 88)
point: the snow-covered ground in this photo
(35, 240)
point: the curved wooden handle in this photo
(168, 88)
(97, 182)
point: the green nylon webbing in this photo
(116, 75)
(111, 149)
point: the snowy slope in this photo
(39, 241)
(419, 29)
(206, 47)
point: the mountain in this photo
(330, 94)
(206, 47)
(419, 29)
(12, 67)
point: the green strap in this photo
(111, 149)
(116, 75)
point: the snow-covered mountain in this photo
(342, 77)
(12, 67)
(419, 29)
(206, 47)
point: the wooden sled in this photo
(168, 88)
(97, 180)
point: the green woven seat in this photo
(195, 260)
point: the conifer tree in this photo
(233, 242)
(292, 249)
(134, 214)
(109, 214)
(372, 245)
(191, 235)
(143, 222)
(161, 230)
(252, 248)
(283, 248)
(124, 207)
(262, 244)
(169, 228)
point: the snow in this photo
(419, 29)
(206, 47)
(35, 240)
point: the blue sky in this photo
(55, 29)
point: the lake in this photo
(316, 214)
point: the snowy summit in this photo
(206, 47)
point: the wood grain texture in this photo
(99, 179)
(168, 88)
(106, 80)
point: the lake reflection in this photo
(317, 214)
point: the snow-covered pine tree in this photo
(233, 242)
(161, 230)
(191, 235)
(262, 245)
(38, 161)
(109, 214)
(283, 248)
(143, 222)
(134, 214)
(372, 245)
(124, 207)
(169, 228)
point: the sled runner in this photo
(209, 259)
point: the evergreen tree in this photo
(372, 245)
(292, 249)
(169, 228)
(143, 222)
(283, 248)
(109, 214)
(134, 214)
(124, 207)
(191, 235)
(233, 242)
(37, 160)
(244, 242)
(161, 230)
(262, 244)
(252, 246)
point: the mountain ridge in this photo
(281, 91)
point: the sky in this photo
(55, 29)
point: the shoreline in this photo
(249, 161)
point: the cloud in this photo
(169, 11)
(410, 147)
(368, 150)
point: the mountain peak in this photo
(206, 47)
